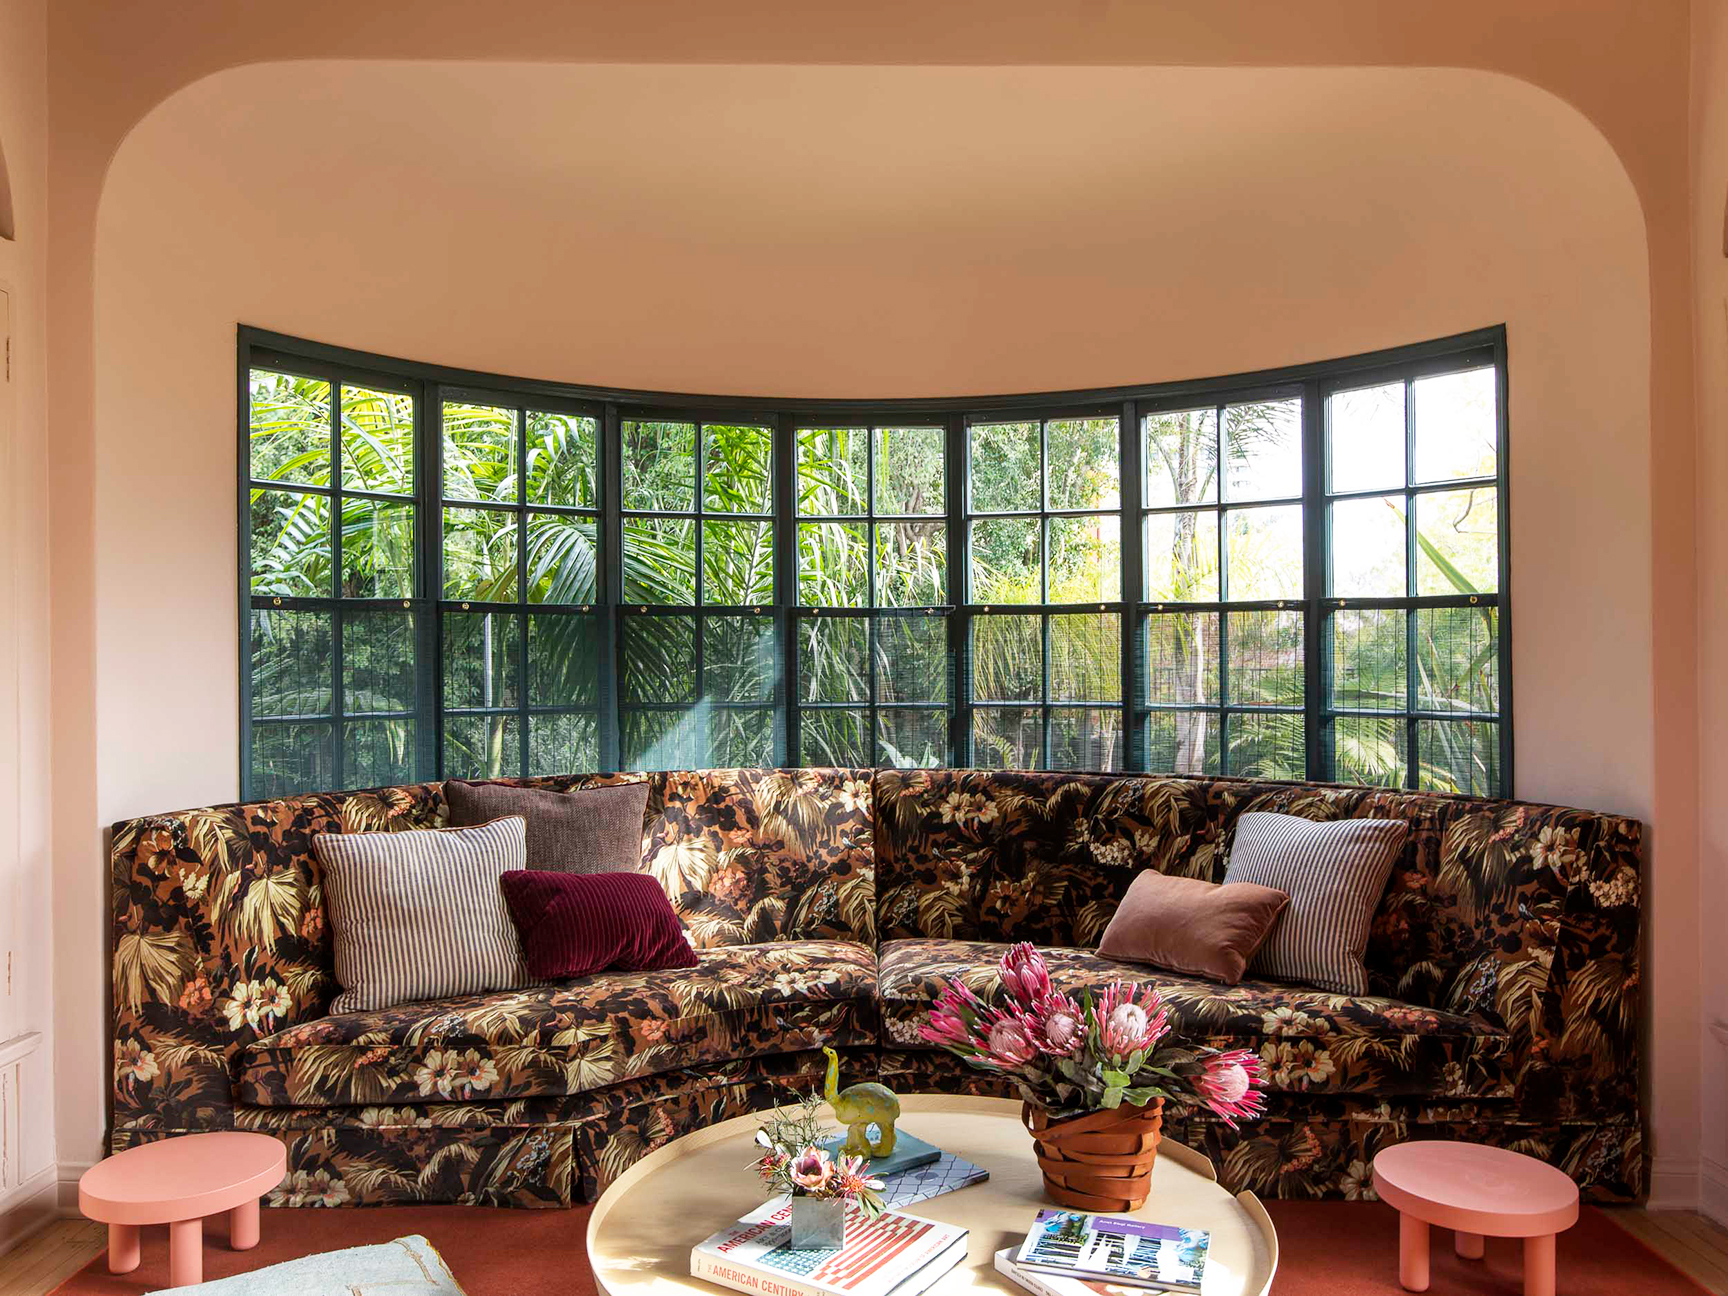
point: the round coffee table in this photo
(642, 1229)
(1476, 1191)
(177, 1182)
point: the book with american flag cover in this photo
(891, 1255)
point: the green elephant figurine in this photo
(860, 1106)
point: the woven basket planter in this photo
(1100, 1161)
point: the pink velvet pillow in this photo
(572, 924)
(1188, 925)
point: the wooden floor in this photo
(1694, 1244)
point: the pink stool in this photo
(1475, 1191)
(177, 1182)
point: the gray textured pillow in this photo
(1334, 873)
(420, 914)
(595, 830)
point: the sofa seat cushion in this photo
(1309, 1041)
(574, 1036)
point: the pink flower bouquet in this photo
(792, 1161)
(1069, 1055)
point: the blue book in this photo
(909, 1153)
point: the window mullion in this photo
(610, 467)
(1316, 548)
(522, 589)
(1133, 577)
(428, 581)
(339, 618)
(959, 593)
(783, 501)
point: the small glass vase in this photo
(818, 1223)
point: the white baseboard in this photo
(1673, 1183)
(1713, 1190)
(67, 1177)
(29, 1208)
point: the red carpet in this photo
(1327, 1249)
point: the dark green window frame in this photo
(1320, 619)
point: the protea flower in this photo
(953, 1018)
(1012, 1043)
(1025, 975)
(1130, 1018)
(851, 1179)
(811, 1170)
(1060, 1026)
(1229, 1083)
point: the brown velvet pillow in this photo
(1184, 924)
(595, 830)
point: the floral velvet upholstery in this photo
(574, 1036)
(1309, 1041)
(1503, 964)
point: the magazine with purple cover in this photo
(1115, 1248)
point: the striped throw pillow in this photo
(421, 914)
(1334, 873)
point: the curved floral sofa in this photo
(826, 905)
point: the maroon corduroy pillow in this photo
(572, 924)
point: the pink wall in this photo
(26, 870)
(1710, 251)
(1614, 61)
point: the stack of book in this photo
(891, 1255)
(1071, 1253)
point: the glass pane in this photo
(1086, 658)
(1008, 658)
(659, 560)
(833, 468)
(288, 759)
(1007, 737)
(1372, 750)
(291, 545)
(661, 740)
(562, 454)
(481, 664)
(737, 563)
(563, 558)
(1086, 738)
(738, 658)
(377, 440)
(1007, 466)
(1263, 449)
(1458, 542)
(833, 564)
(659, 465)
(480, 453)
(835, 738)
(1265, 658)
(907, 739)
(1368, 660)
(911, 659)
(378, 652)
(290, 428)
(911, 564)
(740, 737)
(833, 660)
(1265, 554)
(378, 753)
(482, 746)
(1085, 559)
(563, 744)
(1181, 658)
(1458, 659)
(737, 467)
(1182, 742)
(1266, 746)
(1005, 561)
(1456, 423)
(292, 662)
(909, 475)
(1084, 463)
(1180, 453)
(377, 549)
(563, 660)
(1366, 427)
(659, 662)
(1368, 539)
(1182, 557)
(480, 555)
(1459, 756)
